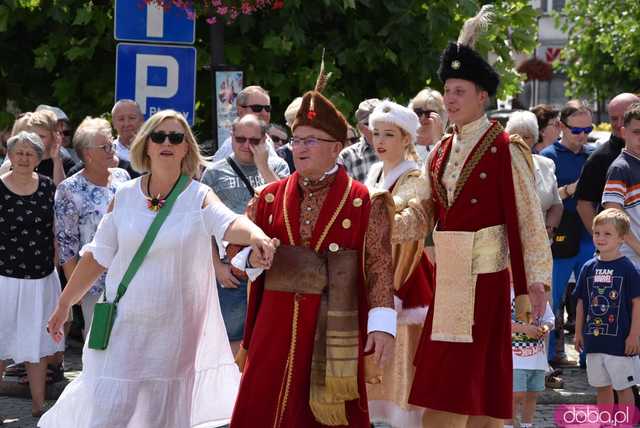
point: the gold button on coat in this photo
(346, 223)
(269, 197)
(357, 202)
(333, 247)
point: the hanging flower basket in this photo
(536, 69)
(219, 10)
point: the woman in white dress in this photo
(168, 362)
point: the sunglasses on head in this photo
(160, 136)
(252, 141)
(422, 112)
(257, 108)
(577, 130)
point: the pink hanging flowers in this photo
(215, 10)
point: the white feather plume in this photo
(474, 27)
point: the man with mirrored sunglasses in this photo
(572, 245)
(235, 180)
(253, 100)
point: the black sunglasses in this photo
(420, 112)
(252, 141)
(279, 140)
(67, 133)
(160, 136)
(257, 108)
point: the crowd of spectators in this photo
(56, 185)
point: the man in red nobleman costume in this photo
(487, 219)
(328, 296)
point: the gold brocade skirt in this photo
(388, 401)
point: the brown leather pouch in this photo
(297, 270)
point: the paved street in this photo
(17, 411)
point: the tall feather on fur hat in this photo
(318, 112)
(460, 61)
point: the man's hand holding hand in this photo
(383, 345)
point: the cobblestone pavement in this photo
(17, 411)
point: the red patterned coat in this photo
(475, 378)
(274, 390)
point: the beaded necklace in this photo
(157, 202)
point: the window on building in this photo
(558, 5)
(544, 4)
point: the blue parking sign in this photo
(157, 77)
(137, 21)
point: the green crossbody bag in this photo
(104, 313)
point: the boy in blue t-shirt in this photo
(608, 312)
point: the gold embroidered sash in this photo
(460, 258)
(334, 365)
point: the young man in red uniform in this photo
(488, 220)
(327, 298)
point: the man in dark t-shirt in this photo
(594, 173)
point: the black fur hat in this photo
(460, 61)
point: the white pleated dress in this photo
(168, 363)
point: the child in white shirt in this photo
(529, 361)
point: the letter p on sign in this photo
(158, 77)
(146, 90)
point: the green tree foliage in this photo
(602, 54)
(57, 52)
(374, 48)
(62, 52)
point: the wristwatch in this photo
(249, 265)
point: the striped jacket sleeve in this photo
(617, 186)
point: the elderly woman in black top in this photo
(29, 285)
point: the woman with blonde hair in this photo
(394, 130)
(167, 362)
(54, 164)
(82, 200)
